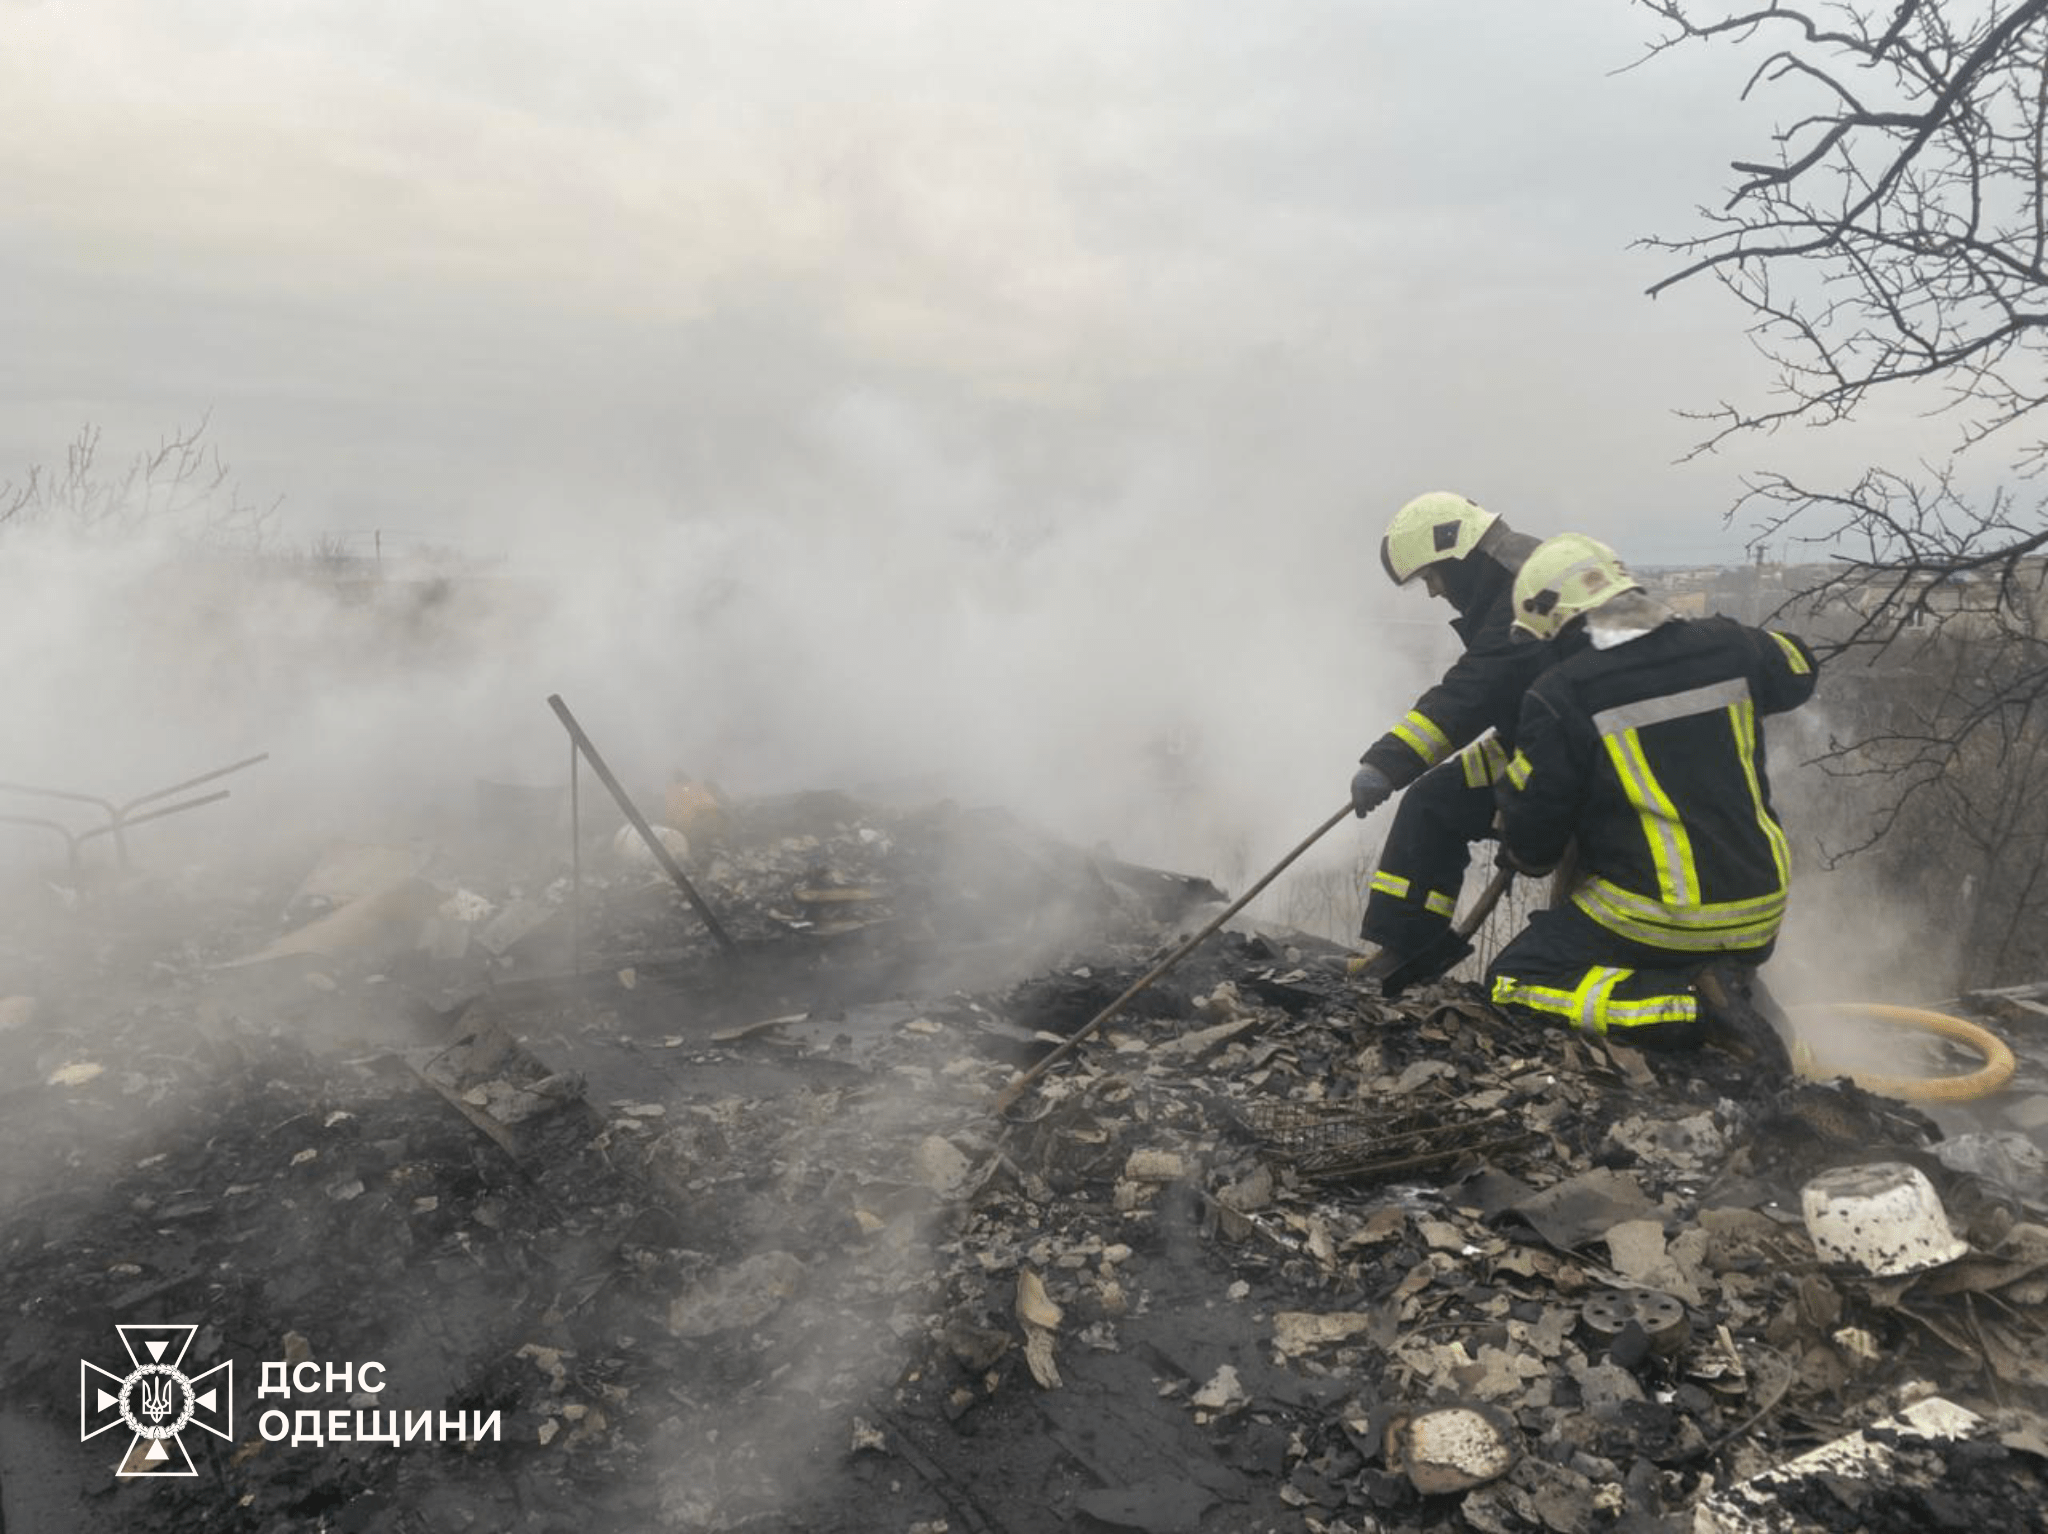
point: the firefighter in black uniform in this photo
(1453, 743)
(1642, 747)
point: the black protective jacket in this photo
(1483, 689)
(1651, 755)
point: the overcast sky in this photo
(442, 268)
(1101, 337)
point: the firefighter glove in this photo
(1370, 788)
(1504, 857)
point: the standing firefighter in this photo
(1468, 556)
(1642, 748)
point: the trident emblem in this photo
(155, 1390)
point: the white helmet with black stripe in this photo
(1432, 529)
(1564, 578)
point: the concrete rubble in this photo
(732, 1241)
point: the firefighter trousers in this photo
(1413, 894)
(1565, 967)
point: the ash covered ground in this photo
(727, 1237)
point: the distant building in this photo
(1834, 598)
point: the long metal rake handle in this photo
(1017, 1088)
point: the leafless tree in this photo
(181, 486)
(1896, 237)
(1893, 241)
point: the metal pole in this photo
(575, 866)
(70, 841)
(117, 827)
(120, 816)
(639, 822)
(124, 818)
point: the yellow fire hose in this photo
(1993, 1074)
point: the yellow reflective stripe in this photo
(1385, 883)
(1793, 658)
(1682, 1007)
(1702, 929)
(1419, 733)
(1585, 1006)
(1594, 993)
(1537, 998)
(1669, 845)
(1743, 717)
(1483, 761)
(1715, 913)
(1590, 1005)
(1518, 770)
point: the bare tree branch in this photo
(1905, 216)
(181, 488)
(1895, 241)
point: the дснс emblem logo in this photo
(155, 1400)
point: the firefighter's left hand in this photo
(1370, 788)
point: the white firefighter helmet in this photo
(1563, 578)
(1429, 530)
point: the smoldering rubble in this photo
(726, 1235)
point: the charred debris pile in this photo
(727, 1236)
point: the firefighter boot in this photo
(1393, 971)
(1740, 1017)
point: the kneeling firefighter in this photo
(1453, 743)
(1642, 747)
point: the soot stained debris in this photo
(734, 1242)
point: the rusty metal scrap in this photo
(1354, 1144)
(655, 846)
